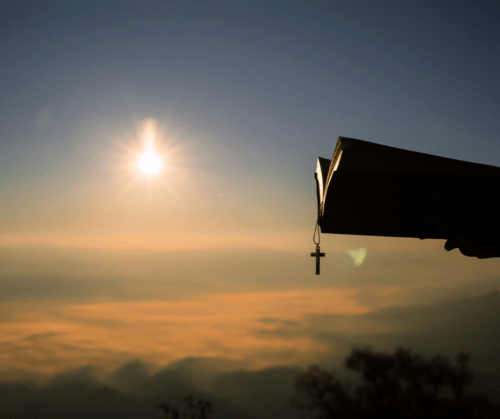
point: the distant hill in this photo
(83, 400)
(465, 324)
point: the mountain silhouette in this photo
(129, 376)
(271, 387)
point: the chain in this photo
(314, 235)
(320, 207)
(317, 229)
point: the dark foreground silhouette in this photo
(402, 385)
(200, 410)
(395, 386)
(462, 227)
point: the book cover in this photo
(377, 190)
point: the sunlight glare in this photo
(149, 163)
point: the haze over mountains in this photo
(134, 390)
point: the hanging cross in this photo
(318, 255)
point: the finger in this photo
(472, 248)
(465, 247)
(451, 244)
(486, 251)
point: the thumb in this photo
(469, 247)
(452, 243)
(466, 246)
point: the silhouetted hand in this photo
(470, 229)
(470, 247)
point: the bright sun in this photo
(149, 163)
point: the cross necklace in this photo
(317, 253)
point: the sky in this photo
(207, 262)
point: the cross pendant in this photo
(317, 254)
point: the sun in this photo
(149, 163)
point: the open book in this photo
(376, 190)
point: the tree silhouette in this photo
(402, 385)
(201, 410)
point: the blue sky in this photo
(240, 99)
(265, 88)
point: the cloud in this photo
(160, 308)
(265, 329)
(37, 336)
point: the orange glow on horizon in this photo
(166, 331)
(156, 241)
